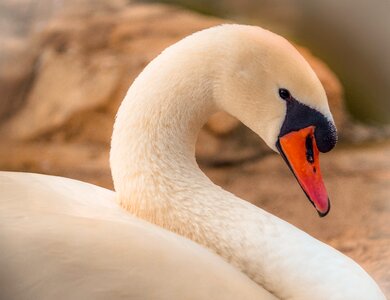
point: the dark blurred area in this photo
(65, 66)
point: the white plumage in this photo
(61, 236)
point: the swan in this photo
(168, 232)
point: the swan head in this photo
(269, 86)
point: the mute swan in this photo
(254, 75)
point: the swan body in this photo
(235, 68)
(56, 244)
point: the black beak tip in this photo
(323, 214)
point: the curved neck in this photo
(153, 144)
(156, 178)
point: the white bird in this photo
(63, 239)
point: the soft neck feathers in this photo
(156, 177)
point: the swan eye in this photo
(284, 94)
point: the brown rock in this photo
(16, 70)
(79, 71)
(64, 86)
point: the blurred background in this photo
(65, 66)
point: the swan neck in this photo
(156, 176)
(153, 144)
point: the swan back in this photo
(64, 239)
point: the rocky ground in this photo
(62, 89)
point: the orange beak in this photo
(299, 150)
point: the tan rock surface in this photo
(83, 65)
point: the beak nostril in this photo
(309, 149)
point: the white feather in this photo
(64, 236)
